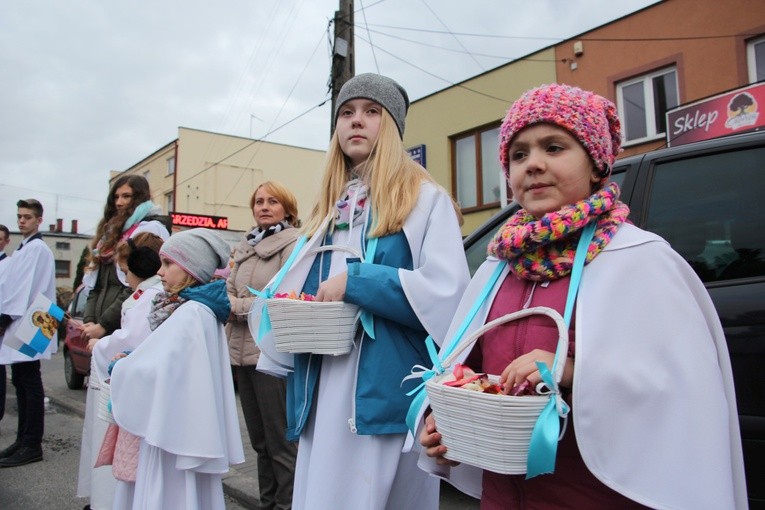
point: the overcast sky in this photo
(91, 86)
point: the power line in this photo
(374, 55)
(284, 103)
(262, 139)
(504, 100)
(421, 43)
(453, 35)
(50, 193)
(596, 39)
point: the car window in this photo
(475, 251)
(79, 301)
(708, 209)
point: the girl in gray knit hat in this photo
(390, 243)
(175, 391)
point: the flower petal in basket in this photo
(492, 432)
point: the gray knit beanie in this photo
(379, 89)
(198, 251)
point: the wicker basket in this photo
(104, 398)
(326, 327)
(485, 430)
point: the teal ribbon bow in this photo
(543, 447)
(267, 293)
(419, 371)
(367, 319)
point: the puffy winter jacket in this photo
(254, 266)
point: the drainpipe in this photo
(175, 175)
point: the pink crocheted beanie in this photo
(591, 118)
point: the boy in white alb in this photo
(29, 272)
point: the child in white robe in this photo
(138, 258)
(646, 374)
(97, 483)
(349, 411)
(175, 390)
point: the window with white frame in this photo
(169, 202)
(171, 165)
(146, 174)
(643, 103)
(477, 174)
(755, 58)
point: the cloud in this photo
(90, 86)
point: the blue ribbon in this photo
(367, 319)
(543, 446)
(267, 293)
(419, 392)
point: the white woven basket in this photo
(319, 327)
(490, 431)
(104, 396)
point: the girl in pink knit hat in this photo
(646, 381)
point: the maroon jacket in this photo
(571, 485)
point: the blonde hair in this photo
(188, 281)
(394, 181)
(285, 197)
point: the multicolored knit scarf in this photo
(162, 306)
(543, 249)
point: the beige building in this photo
(459, 129)
(208, 178)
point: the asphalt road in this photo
(52, 483)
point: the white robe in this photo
(653, 391)
(26, 273)
(175, 391)
(370, 471)
(99, 484)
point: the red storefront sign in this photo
(724, 114)
(199, 220)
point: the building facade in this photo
(667, 54)
(202, 176)
(671, 53)
(457, 128)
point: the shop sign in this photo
(199, 221)
(728, 113)
(417, 153)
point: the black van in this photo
(706, 199)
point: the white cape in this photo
(26, 273)
(433, 254)
(98, 484)
(175, 391)
(134, 327)
(653, 393)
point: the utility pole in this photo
(343, 55)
